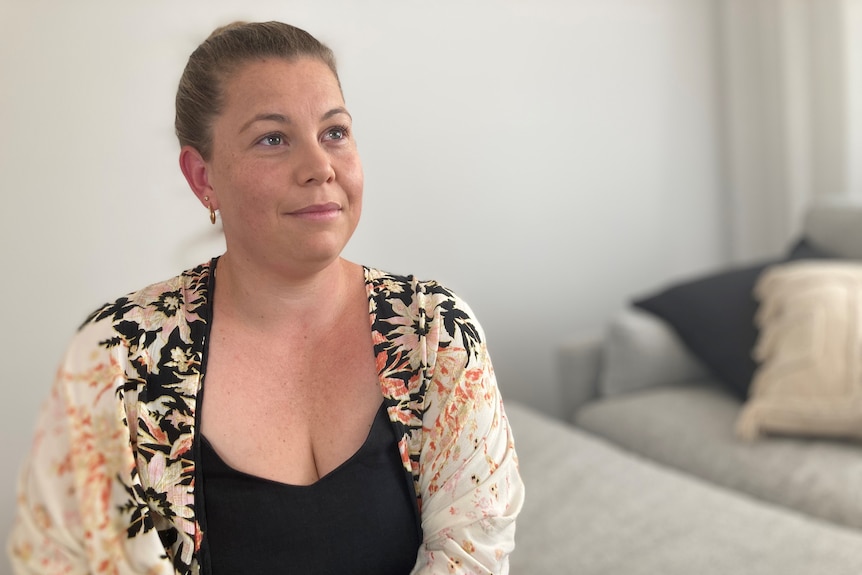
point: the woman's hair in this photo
(200, 95)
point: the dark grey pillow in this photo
(714, 317)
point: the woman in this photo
(278, 409)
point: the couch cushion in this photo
(690, 427)
(593, 508)
(641, 351)
(834, 225)
(810, 346)
(714, 316)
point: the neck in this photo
(265, 298)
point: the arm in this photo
(471, 489)
(48, 533)
(68, 517)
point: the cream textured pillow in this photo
(810, 350)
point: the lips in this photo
(317, 209)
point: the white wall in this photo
(790, 109)
(853, 66)
(545, 158)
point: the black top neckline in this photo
(380, 418)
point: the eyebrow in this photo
(282, 119)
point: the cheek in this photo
(224, 178)
(239, 186)
(354, 177)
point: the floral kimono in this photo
(110, 484)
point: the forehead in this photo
(298, 82)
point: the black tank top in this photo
(360, 518)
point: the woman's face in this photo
(284, 171)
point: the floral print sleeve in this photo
(77, 472)
(434, 365)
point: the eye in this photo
(336, 133)
(272, 140)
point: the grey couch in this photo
(651, 478)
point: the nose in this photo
(314, 166)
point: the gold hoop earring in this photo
(212, 211)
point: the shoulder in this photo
(405, 287)
(154, 336)
(426, 309)
(406, 292)
(164, 299)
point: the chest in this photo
(293, 408)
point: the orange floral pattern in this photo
(109, 487)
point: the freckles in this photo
(353, 168)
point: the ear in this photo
(195, 170)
